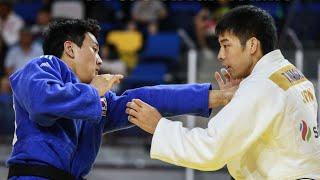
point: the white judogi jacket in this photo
(267, 131)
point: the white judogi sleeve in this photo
(254, 107)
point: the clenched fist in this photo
(104, 82)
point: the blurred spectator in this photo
(111, 63)
(10, 23)
(205, 22)
(20, 54)
(204, 31)
(127, 42)
(201, 21)
(150, 12)
(6, 108)
(103, 11)
(222, 9)
(42, 22)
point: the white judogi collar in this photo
(267, 60)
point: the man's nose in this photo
(221, 55)
(99, 60)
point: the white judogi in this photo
(267, 131)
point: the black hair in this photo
(249, 21)
(63, 30)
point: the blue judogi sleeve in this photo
(170, 100)
(49, 91)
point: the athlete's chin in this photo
(236, 76)
(233, 74)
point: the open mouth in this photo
(228, 68)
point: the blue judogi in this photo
(58, 118)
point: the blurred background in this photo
(150, 42)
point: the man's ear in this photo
(68, 49)
(253, 44)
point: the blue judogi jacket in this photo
(59, 121)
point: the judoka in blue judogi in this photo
(60, 114)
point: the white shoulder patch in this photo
(46, 56)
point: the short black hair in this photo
(249, 21)
(63, 30)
